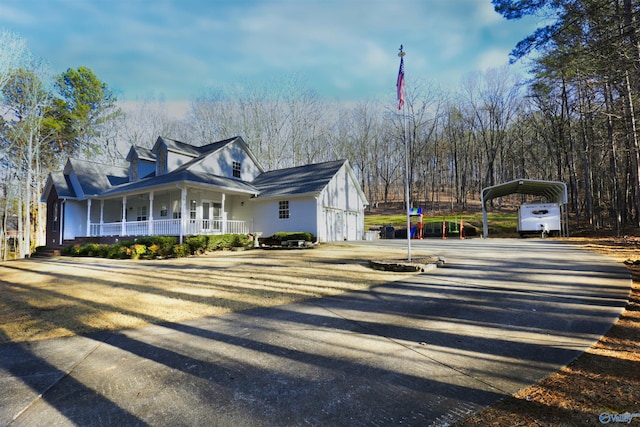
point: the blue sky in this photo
(343, 49)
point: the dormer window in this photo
(237, 167)
(162, 161)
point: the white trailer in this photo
(540, 218)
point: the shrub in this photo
(87, 249)
(287, 235)
(153, 251)
(215, 242)
(101, 250)
(120, 250)
(181, 250)
(158, 246)
(138, 251)
(162, 245)
(71, 250)
(227, 241)
(196, 244)
(93, 250)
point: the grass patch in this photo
(41, 299)
(500, 224)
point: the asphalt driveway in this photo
(499, 316)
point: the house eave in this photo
(171, 186)
(259, 198)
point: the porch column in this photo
(100, 232)
(183, 212)
(224, 215)
(123, 228)
(88, 217)
(150, 218)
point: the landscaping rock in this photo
(404, 266)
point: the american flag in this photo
(400, 84)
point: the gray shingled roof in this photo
(145, 153)
(63, 187)
(104, 180)
(184, 175)
(309, 179)
(181, 147)
(96, 178)
(192, 150)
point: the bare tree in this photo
(493, 102)
(27, 99)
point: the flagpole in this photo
(401, 54)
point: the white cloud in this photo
(492, 58)
(345, 47)
(486, 14)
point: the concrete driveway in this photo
(499, 316)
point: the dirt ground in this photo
(602, 384)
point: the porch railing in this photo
(169, 227)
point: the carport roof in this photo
(552, 191)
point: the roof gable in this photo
(176, 147)
(94, 178)
(221, 153)
(141, 153)
(62, 185)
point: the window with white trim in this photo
(54, 224)
(141, 213)
(237, 168)
(283, 209)
(177, 210)
(193, 210)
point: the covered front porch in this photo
(169, 227)
(169, 212)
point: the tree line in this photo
(572, 119)
(43, 119)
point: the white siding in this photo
(75, 219)
(175, 160)
(341, 209)
(221, 163)
(302, 216)
(239, 208)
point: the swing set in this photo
(435, 227)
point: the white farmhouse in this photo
(178, 189)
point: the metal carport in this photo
(552, 191)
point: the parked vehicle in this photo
(539, 218)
